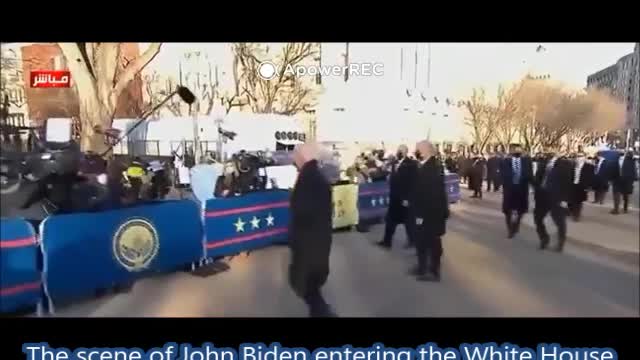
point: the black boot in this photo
(543, 243)
(384, 244)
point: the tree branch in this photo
(135, 67)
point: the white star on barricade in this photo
(381, 200)
(373, 202)
(255, 223)
(269, 220)
(239, 225)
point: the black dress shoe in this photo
(430, 277)
(558, 248)
(322, 312)
(415, 271)
(543, 244)
(614, 212)
(626, 211)
(384, 245)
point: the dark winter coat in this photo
(310, 230)
(428, 199)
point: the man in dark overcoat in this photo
(552, 188)
(403, 174)
(429, 211)
(516, 175)
(582, 181)
(310, 230)
(624, 175)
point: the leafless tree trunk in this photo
(99, 83)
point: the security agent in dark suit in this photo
(429, 211)
(624, 175)
(403, 174)
(601, 179)
(552, 188)
(516, 173)
(310, 231)
(583, 172)
(493, 173)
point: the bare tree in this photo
(100, 80)
(551, 116)
(509, 115)
(482, 118)
(286, 93)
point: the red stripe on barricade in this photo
(374, 192)
(241, 210)
(8, 244)
(243, 238)
(20, 288)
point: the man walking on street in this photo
(516, 173)
(600, 179)
(582, 181)
(623, 179)
(552, 187)
(476, 176)
(310, 230)
(403, 174)
(493, 172)
(429, 211)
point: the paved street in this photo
(484, 274)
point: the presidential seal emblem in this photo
(135, 244)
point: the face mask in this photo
(400, 156)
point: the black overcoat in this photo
(400, 182)
(310, 230)
(428, 200)
(516, 197)
(623, 177)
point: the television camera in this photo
(57, 174)
(248, 166)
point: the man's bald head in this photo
(306, 152)
(426, 149)
(403, 149)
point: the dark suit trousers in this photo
(495, 181)
(576, 200)
(390, 229)
(616, 201)
(429, 251)
(513, 221)
(558, 215)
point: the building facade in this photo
(621, 79)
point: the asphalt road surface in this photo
(484, 274)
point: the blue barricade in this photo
(89, 251)
(247, 222)
(20, 279)
(373, 200)
(452, 183)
